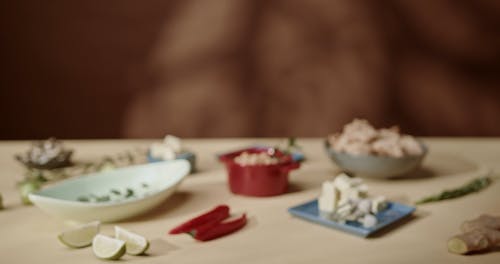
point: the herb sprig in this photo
(471, 187)
(112, 195)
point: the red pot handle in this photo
(290, 166)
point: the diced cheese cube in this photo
(156, 150)
(342, 202)
(355, 182)
(345, 210)
(173, 142)
(327, 215)
(351, 217)
(351, 193)
(368, 221)
(160, 151)
(378, 204)
(342, 181)
(365, 206)
(356, 215)
(168, 154)
(344, 199)
(328, 200)
(363, 188)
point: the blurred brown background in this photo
(197, 68)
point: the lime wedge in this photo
(81, 236)
(135, 244)
(105, 247)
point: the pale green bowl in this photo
(162, 179)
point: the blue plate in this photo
(394, 212)
(189, 156)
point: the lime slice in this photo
(81, 236)
(135, 244)
(27, 187)
(105, 247)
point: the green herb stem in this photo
(471, 187)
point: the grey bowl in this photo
(372, 166)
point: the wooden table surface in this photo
(272, 235)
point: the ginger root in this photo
(484, 221)
(479, 234)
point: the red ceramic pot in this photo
(259, 180)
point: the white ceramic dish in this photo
(151, 185)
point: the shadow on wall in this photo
(247, 68)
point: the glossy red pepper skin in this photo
(213, 230)
(215, 215)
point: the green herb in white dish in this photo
(116, 194)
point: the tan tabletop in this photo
(272, 235)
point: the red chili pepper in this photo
(215, 215)
(214, 230)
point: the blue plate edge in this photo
(360, 232)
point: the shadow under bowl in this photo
(371, 166)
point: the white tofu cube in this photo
(156, 150)
(328, 200)
(345, 210)
(160, 151)
(168, 154)
(356, 182)
(363, 188)
(173, 142)
(350, 194)
(342, 181)
(379, 203)
(365, 206)
(368, 221)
